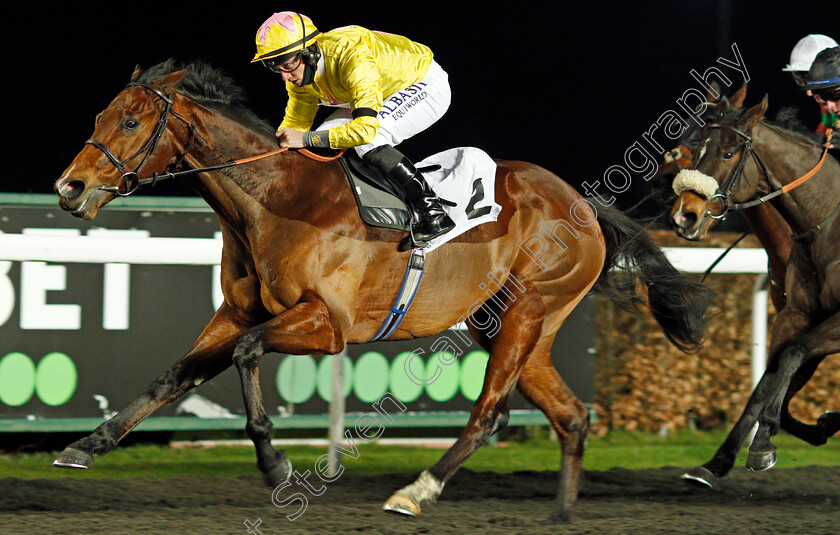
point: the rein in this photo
(130, 181)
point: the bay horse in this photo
(772, 232)
(302, 274)
(770, 228)
(746, 163)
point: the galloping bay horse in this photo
(746, 163)
(773, 233)
(302, 274)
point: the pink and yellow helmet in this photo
(284, 33)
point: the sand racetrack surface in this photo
(801, 500)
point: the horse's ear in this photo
(753, 115)
(713, 92)
(169, 83)
(136, 74)
(738, 97)
(722, 106)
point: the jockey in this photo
(824, 84)
(801, 58)
(385, 88)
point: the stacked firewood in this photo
(644, 383)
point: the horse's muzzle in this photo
(69, 189)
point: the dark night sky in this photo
(569, 86)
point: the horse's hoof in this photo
(758, 461)
(559, 518)
(73, 458)
(280, 474)
(700, 477)
(402, 504)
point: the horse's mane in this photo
(207, 85)
(787, 120)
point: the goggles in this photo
(281, 64)
(832, 94)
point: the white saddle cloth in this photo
(467, 177)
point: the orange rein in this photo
(804, 178)
(309, 154)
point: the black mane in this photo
(787, 119)
(206, 85)
(786, 122)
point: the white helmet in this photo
(806, 50)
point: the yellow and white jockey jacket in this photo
(358, 67)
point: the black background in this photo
(567, 85)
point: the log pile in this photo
(644, 383)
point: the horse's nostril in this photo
(71, 189)
(685, 220)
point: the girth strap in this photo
(411, 282)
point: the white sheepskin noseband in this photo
(693, 180)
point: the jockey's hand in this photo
(289, 138)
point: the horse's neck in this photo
(286, 185)
(786, 160)
(232, 191)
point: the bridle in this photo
(129, 181)
(747, 152)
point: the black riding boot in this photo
(429, 220)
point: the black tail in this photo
(678, 304)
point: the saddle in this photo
(380, 204)
(463, 178)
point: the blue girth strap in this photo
(411, 281)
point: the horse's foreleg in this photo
(788, 325)
(307, 328)
(542, 386)
(521, 326)
(208, 357)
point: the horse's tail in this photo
(677, 304)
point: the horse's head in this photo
(129, 136)
(723, 149)
(681, 157)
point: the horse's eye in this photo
(130, 123)
(728, 155)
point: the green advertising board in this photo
(83, 339)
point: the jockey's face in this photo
(830, 99)
(295, 75)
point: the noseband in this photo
(129, 181)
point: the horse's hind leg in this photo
(827, 424)
(801, 353)
(545, 389)
(521, 327)
(208, 357)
